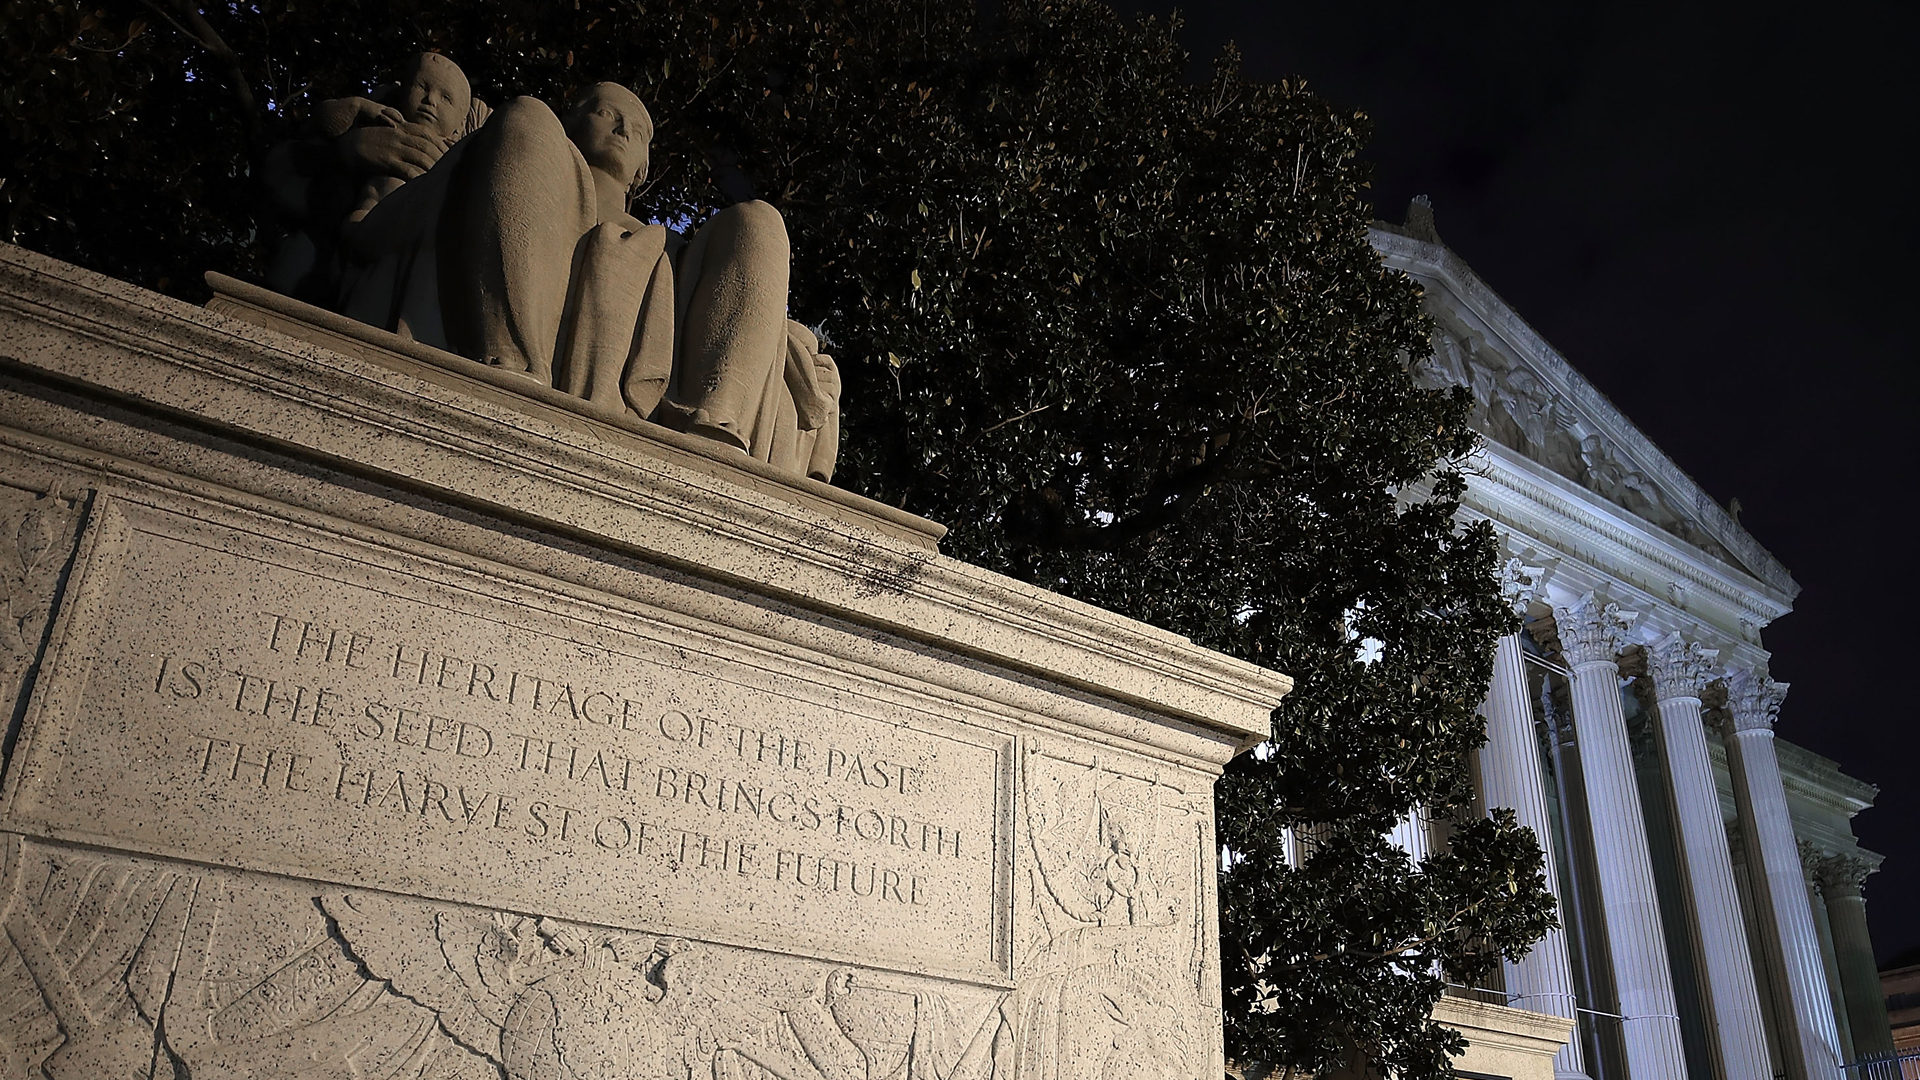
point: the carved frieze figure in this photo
(507, 240)
(1516, 408)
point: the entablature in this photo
(1588, 544)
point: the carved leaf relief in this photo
(38, 532)
(85, 961)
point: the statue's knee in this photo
(526, 120)
(755, 226)
(756, 213)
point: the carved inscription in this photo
(253, 703)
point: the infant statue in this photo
(504, 236)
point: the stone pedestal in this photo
(376, 719)
(1511, 1043)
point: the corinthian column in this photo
(1809, 1041)
(1680, 671)
(1591, 636)
(1840, 880)
(1510, 776)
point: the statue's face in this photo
(612, 130)
(434, 92)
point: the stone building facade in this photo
(1710, 884)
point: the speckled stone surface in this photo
(372, 722)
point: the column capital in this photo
(1680, 668)
(1591, 631)
(1810, 859)
(1842, 875)
(1753, 699)
(1520, 584)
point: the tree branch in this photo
(199, 31)
(1038, 520)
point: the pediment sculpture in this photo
(503, 235)
(1515, 407)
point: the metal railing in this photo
(1904, 1065)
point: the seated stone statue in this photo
(515, 248)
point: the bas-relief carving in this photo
(134, 965)
(38, 532)
(503, 235)
(1116, 960)
(214, 678)
(124, 966)
(1515, 408)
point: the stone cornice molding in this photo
(1592, 631)
(1408, 253)
(1680, 668)
(1753, 700)
(1823, 781)
(1520, 584)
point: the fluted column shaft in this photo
(1410, 834)
(1823, 928)
(1840, 880)
(1810, 1041)
(1511, 776)
(1591, 636)
(1679, 672)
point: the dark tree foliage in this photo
(1121, 329)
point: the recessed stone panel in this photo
(290, 702)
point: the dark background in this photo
(1711, 212)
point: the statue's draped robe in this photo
(391, 272)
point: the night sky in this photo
(1711, 212)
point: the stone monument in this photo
(392, 698)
